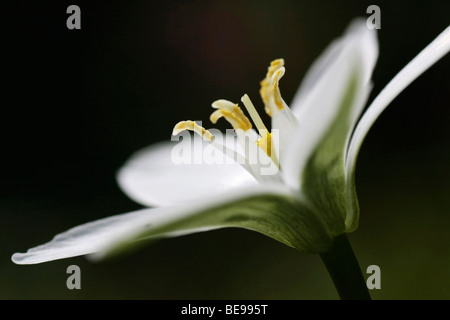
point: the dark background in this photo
(77, 103)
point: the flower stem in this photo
(344, 269)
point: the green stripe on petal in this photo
(280, 217)
(324, 179)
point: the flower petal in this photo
(357, 37)
(424, 60)
(350, 69)
(84, 239)
(157, 176)
(271, 211)
(315, 162)
(321, 65)
(284, 123)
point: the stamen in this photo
(265, 143)
(192, 126)
(270, 92)
(254, 114)
(232, 113)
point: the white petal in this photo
(357, 31)
(314, 73)
(152, 177)
(101, 235)
(284, 123)
(321, 106)
(86, 238)
(424, 60)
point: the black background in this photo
(77, 103)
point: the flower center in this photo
(265, 143)
(270, 95)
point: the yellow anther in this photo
(192, 126)
(232, 113)
(276, 90)
(274, 66)
(270, 92)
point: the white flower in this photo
(309, 198)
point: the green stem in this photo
(344, 269)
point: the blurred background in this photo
(77, 103)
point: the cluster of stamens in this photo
(270, 95)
